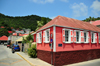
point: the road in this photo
(7, 58)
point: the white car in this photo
(5, 43)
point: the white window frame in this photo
(69, 38)
(46, 41)
(86, 37)
(93, 37)
(79, 36)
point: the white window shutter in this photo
(74, 35)
(44, 34)
(41, 37)
(37, 37)
(82, 36)
(71, 33)
(49, 35)
(63, 33)
(95, 37)
(98, 37)
(88, 37)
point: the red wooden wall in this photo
(43, 45)
(72, 46)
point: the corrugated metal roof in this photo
(21, 39)
(96, 22)
(4, 38)
(69, 22)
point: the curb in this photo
(26, 60)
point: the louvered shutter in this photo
(82, 36)
(44, 33)
(74, 35)
(71, 32)
(88, 37)
(37, 37)
(95, 37)
(99, 37)
(49, 35)
(63, 33)
(41, 37)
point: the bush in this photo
(32, 51)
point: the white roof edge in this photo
(33, 33)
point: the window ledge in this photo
(78, 42)
(47, 42)
(67, 42)
(39, 42)
(86, 42)
(93, 42)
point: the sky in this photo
(77, 9)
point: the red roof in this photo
(4, 38)
(69, 22)
(9, 31)
(96, 22)
(15, 34)
(2, 27)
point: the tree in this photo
(28, 40)
(4, 31)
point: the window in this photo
(85, 37)
(78, 37)
(46, 36)
(39, 37)
(66, 35)
(92, 37)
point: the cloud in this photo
(79, 9)
(96, 7)
(64, 0)
(53, 17)
(43, 1)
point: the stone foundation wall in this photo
(68, 57)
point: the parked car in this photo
(5, 43)
(15, 48)
(8, 45)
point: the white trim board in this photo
(54, 39)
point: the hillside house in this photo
(16, 36)
(3, 39)
(96, 23)
(65, 40)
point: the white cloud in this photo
(43, 1)
(96, 7)
(79, 9)
(64, 0)
(53, 17)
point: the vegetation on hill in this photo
(28, 22)
(91, 19)
(21, 22)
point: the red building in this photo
(72, 41)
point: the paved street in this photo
(7, 58)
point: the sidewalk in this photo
(39, 62)
(33, 61)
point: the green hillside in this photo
(29, 21)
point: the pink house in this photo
(65, 40)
